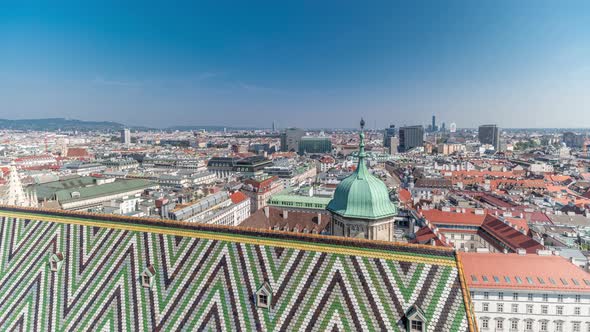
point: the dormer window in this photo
(56, 261)
(147, 276)
(263, 296)
(415, 319)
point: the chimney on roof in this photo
(543, 252)
(505, 251)
(319, 218)
(285, 214)
(432, 242)
(267, 211)
(521, 251)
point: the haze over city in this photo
(302, 63)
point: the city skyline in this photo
(247, 65)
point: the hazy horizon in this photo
(519, 64)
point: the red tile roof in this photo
(238, 197)
(425, 235)
(509, 236)
(77, 153)
(439, 217)
(288, 220)
(533, 271)
(405, 195)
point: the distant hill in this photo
(208, 128)
(53, 124)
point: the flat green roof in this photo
(119, 186)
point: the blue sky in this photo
(299, 63)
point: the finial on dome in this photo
(362, 124)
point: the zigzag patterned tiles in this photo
(208, 284)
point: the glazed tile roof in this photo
(205, 277)
(513, 271)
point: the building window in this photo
(578, 298)
(56, 261)
(515, 308)
(416, 326)
(577, 311)
(485, 307)
(545, 297)
(500, 296)
(559, 310)
(486, 295)
(543, 326)
(500, 307)
(514, 325)
(147, 276)
(263, 296)
(514, 296)
(530, 296)
(499, 324)
(263, 300)
(559, 297)
(559, 326)
(544, 309)
(485, 323)
(529, 325)
(576, 327)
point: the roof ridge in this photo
(243, 231)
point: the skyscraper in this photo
(126, 136)
(490, 134)
(290, 139)
(434, 128)
(410, 137)
(388, 133)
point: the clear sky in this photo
(300, 63)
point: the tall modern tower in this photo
(434, 123)
(126, 136)
(490, 134)
(410, 137)
(290, 139)
(388, 133)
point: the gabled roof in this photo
(509, 236)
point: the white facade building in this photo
(531, 293)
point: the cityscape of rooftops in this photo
(295, 166)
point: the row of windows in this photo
(530, 280)
(529, 325)
(485, 307)
(530, 297)
(297, 204)
(471, 237)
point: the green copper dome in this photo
(362, 195)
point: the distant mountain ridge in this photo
(52, 124)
